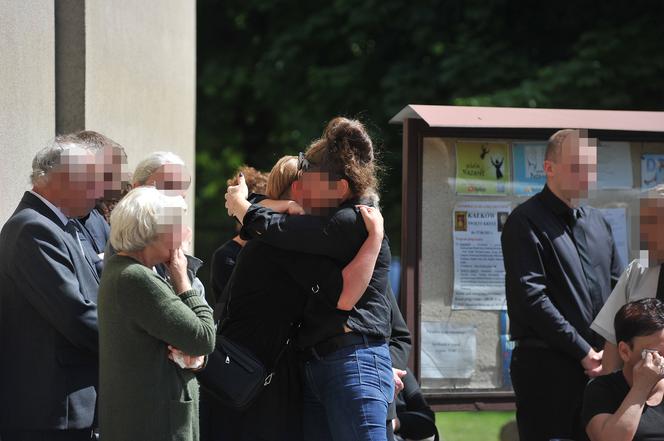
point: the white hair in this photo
(149, 165)
(50, 156)
(141, 215)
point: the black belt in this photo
(333, 344)
(531, 343)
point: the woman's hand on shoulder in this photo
(373, 220)
(282, 206)
(294, 208)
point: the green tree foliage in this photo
(272, 72)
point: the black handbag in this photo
(233, 375)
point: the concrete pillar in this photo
(124, 68)
(140, 76)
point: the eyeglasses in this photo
(302, 162)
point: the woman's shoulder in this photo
(635, 268)
(612, 385)
(347, 213)
(134, 275)
(636, 273)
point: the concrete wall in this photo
(124, 68)
(27, 93)
(140, 76)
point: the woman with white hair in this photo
(641, 279)
(143, 394)
(164, 170)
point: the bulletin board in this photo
(466, 182)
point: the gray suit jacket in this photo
(48, 324)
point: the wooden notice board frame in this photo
(471, 123)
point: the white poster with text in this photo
(479, 273)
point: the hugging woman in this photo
(347, 372)
(261, 306)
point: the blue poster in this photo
(652, 170)
(528, 162)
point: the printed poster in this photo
(479, 273)
(483, 168)
(652, 170)
(448, 350)
(614, 166)
(529, 176)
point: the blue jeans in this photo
(346, 394)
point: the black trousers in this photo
(549, 389)
(47, 435)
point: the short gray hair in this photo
(151, 164)
(141, 215)
(50, 156)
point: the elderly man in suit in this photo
(48, 300)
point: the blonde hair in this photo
(141, 215)
(282, 175)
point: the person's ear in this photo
(624, 351)
(295, 190)
(549, 168)
(344, 188)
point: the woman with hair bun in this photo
(347, 371)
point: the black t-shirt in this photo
(605, 395)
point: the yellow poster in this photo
(483, 168)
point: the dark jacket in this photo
(416, 418)
(400, 344)
(338, 236)
(266, 296)
(48, 324)
(221, 267)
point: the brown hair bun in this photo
(350, 138)
(346, 151)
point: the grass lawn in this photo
(472, 426)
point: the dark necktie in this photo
(582, 248)
(73, 232)
(74, 228)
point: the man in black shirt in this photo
(627, 404)
(561, 263)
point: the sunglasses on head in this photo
(302, 162)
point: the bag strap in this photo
(222, 308)
(660, 284)
(291, 335)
